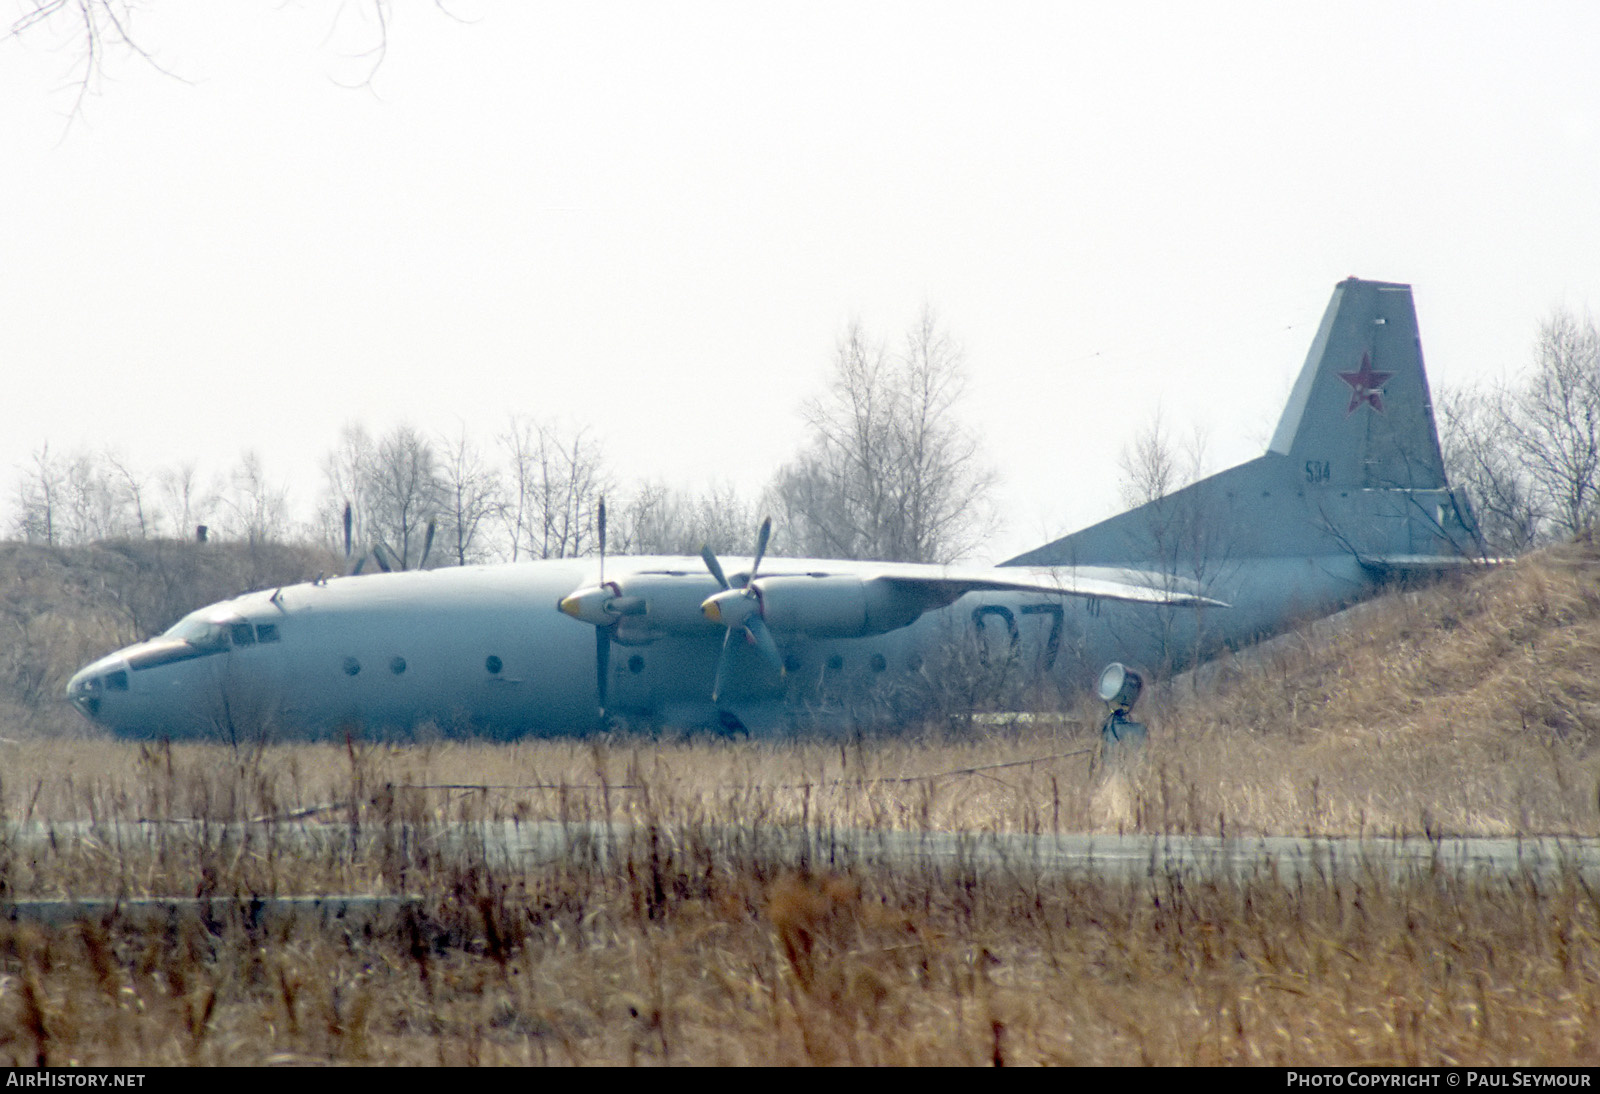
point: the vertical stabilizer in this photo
(1353, 469)
(1351, 493)
(1360, 414)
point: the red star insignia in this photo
(1366, 386)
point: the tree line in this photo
(1527, 447)
(890, 472)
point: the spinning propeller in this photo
(740, 609)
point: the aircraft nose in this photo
(90, 687)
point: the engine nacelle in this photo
(834, 606)
(671, 604)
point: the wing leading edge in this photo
(1133, 586)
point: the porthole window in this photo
(494, 665)
(397, 666)
(351, 666)
(791, 663)
(636, 664)
(878, 662)
(835, 663)
(914, 663)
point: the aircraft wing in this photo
(1407, 566)
(945, 586)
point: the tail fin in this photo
(1360, 414)
(1354, 467)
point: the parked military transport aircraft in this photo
(1350, 493)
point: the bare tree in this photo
(102, 29)
(405, 491)
(470, 492)
(132, 488)
(1184, 531)
(96, 505)
(1528, 450)
(1481, 457)
(258, 509)
(83, 498)
(1152, 466)
(891, 473)
(39, 492)
(554, 487)
(185, 501)
(662, 520)
(347, 477)
(1556, 424)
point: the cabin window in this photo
(835, 663)
(351, 666)
(397, 666)
(879, 663)
(636, 664)
(791, 663)
(117, 681)
(243, 634)
(494, 665)
(266, 632)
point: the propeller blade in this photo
(427, 544)
(602, 531)
(349, 519)
(380, 555)
(361, 563)
(602, 664)
(762, 637)
(713, 565)
(761, 548)
(740, 610)
(722, 665)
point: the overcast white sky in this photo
(656, 220)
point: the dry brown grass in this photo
(685, 947)
(1467, 708)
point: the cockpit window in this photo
(266, 632)
(243, 634)
(202, 634)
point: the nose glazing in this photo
(88, 688)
